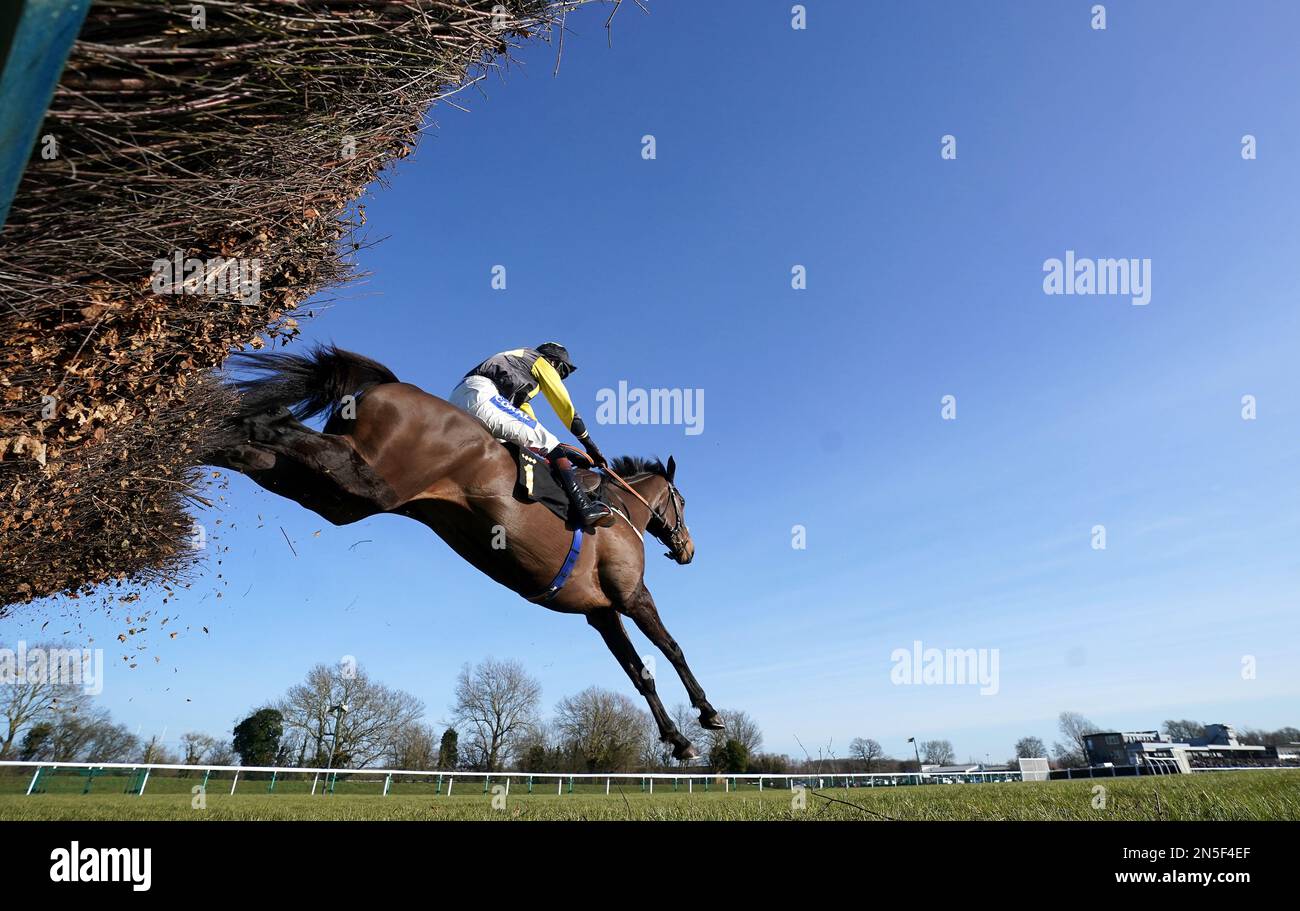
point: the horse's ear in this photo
(672, 468)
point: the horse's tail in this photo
(307, 385)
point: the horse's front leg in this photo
(610, 626)
(645, 615)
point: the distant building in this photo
(1152, 751)
(1288, 752)
(1220, 734)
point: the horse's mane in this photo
(627, 466)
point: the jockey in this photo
(498, 391)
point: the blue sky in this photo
(821, 147)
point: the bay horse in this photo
(391, 447)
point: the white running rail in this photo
(689, 780)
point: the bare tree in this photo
(655, 754)
(536, 750)
(79, 733)
(740, 727)
(195, 746)
(110, 742)
(866, 750)
(1031, 748)
(28, 699)
(222, 752)
(155, 752)
(601, 730)
(1183, 731)
(1074, 727)
(415, 747)
(76, 726)
(772, 763)
(495, 705)
(938, 752)
(365, 733)
(1280, 737)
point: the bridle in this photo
(672, 538)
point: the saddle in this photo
(534, 482)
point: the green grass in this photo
(1217, 796)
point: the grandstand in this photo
(1150, 752)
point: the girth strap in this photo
(575, 550)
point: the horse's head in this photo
(668, 522)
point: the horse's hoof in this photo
(712, 721)
(685, 752)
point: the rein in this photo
(628, 487)
(672, 534)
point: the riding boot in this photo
(592, 512)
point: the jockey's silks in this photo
(520, 374)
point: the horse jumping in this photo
(389, 446)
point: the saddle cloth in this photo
(534, 482)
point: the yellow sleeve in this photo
(527, 408)
(553, 389)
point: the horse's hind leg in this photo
(610, 626)
(643, 612)
(319, 471)
(326, 453)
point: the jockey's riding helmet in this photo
(554, 351)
